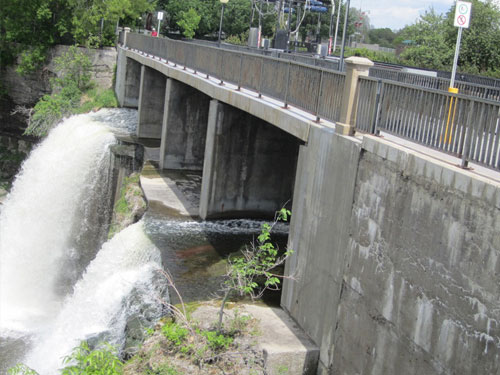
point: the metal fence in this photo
(460, 125)
(472, 89)
(312, 89)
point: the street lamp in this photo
(223, 2)
(341, 62)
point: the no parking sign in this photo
(462, 14)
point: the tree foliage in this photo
(189, 22)
(433, 39)
(252, 273)
(429, 47)
(29, 27)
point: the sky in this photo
(395, 14)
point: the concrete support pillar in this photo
(184, 127)
(319, 234)
(249, 166)
(355, 67)
(151, 102)
(128, 80)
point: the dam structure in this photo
(396, 264)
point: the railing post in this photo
(355, 67)
(260, 78)
(126, 30)
(318, 98)
(287, 84)
(241, 71)
(376, 118)
(467, 138)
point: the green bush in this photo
(174, 333)
(216, 341)
(31, 60)
(84, 361)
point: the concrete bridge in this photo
(396, 264)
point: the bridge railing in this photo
(460, 125)
(312, 89)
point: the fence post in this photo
(376, 118)
(355, 67)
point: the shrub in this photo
(174, 333)
(84, 361)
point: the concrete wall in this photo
(184, 127)
(151, 103)
(128, 80)
(402, 276)
(249, 165)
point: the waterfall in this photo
(54, 290)
(40, 217)
(118, 283)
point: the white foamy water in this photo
(38, 219)
(54, 290)
(118, 284)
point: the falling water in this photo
(51, 226)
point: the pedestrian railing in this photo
(315, 90)
(463, 126)
(459, 125)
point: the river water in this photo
(61, 282)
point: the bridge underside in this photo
(249, 167)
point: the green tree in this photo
(252, 273)
(383, 37)
(429, 47)
(206, 9)
(479, 50)
(237, 17)
(189, 22)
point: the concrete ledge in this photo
(279, 117)
(285, 346)
(413, 163)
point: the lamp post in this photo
(223, 2)
(346, 20)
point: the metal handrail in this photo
(460, 125)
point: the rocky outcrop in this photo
(26, 90)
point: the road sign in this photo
(160, 16)
(462, 14)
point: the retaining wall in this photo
(402, 275)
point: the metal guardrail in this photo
(472, 89)
(457, 124)
(312, 89)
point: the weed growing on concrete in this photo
(252, 274)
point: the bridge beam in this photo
(151, 102)
(249, 166)
(184, 127)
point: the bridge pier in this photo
(128, 81)
(151, 101)
(249, 166)
(184, 127)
